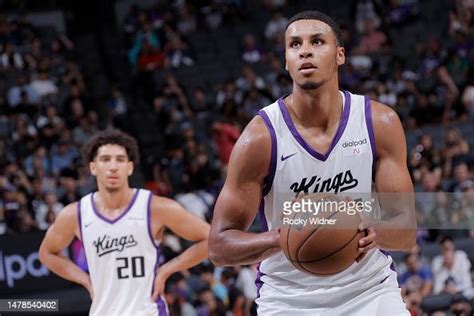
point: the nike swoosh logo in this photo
(88, 224)
(285, 158)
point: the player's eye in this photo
(294, 44)
(317, 41)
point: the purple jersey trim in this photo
(271, 169)
(80, 219)
(148, 219)
(340, 130)
(258, 280)
(263, 219)
(80, 231)
(370, 129)
(392, 266)
(160, 303)
(120, 216)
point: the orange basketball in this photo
(326, 245)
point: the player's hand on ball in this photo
(366, 243)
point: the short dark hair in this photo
(316, 15)
(445, 239)
(111, 137)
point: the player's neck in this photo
(112, 202)
(315, 108)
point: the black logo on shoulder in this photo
(341, 182)
(106, 244)
(283, 158)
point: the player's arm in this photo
(238, 202)
(397, 230)
(169, 213)
(58, 237)
(186, 225)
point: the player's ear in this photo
(130, 168)
(340, 56)
(93, 168)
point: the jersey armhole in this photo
(79, 219)
(149, 219)
(268, 182)
(370, 130)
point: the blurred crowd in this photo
(47, 113)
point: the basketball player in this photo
(120, 228)
(297, 145)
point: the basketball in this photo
(322, 243)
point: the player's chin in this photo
(112, 186)
(310, 84)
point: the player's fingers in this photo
(363, 226)
(360, 257)
(154, 296)
(298, 196)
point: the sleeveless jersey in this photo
(346, 168)
(122, 257)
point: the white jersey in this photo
(122, 257)
(347, 167)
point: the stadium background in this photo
(184, 77)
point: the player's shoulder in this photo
(388, 129)
(253, 148)
(383, 116)
(68, 216)
(158, 203)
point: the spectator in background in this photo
(4, 229)
(276, 26)
(224, 136)
(43, 85)
(417, 278)
(9, 58)
(468, 94)
(424, 112)
(68, 191)
(425, 158)
(50, 117)
(246, 283)
(252, 103)
(145, 35)
(249, 79)
(161, 184)
(186, 21)
(213, 15)
(14, 93)
(461, 176)
(416, 283)
(209, 304)
(456, 150)
(373, 41)
(62, 156)
(40, 156)
(178, 53)
(150, 58)
(47, 210)
(451, 270)
(229, 92)
(250, 52)
(366, 10)
(84, 131)
(24, 222)
(117, 108)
